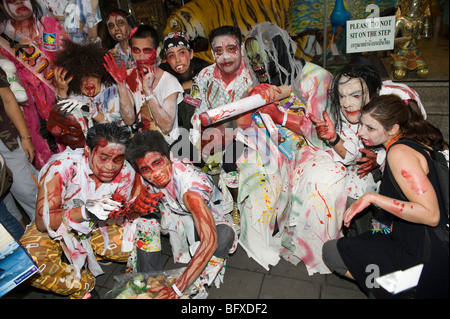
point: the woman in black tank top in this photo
(411, 201)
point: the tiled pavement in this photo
(244, 279)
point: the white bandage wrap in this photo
(177, 291)
(284, 119)
(83, 213)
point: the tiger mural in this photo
(199, 17)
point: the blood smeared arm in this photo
(206, 229)
(54, 191)
(410, 170)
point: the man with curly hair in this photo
(80, 75)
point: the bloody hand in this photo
(60, 80)
(355, 209)
(144, 204)
(267, 91)
(325, 129)
(368, 163)
(148, 76)
(123, 211)
(273, 111)
(119, 74)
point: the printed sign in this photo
(371, 34)
(16, 265)
(49, 42)
(31, 58)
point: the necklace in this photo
(392, 141)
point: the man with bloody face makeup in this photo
(191, 213)
(156, 93)
(81, 193)
(119, 29)
(221, 83)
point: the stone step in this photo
(435, 98)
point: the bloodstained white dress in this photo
(291, 207)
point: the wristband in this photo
(87, 215)
(177, 291)
(149, 97)
(338, 138)
(83, 213)
(284, 119)
(95, 114)
(26, 137)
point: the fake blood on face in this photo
(144, 53)
(118, 27)
(18, 10)
(90, 86)
(89, 89)
(155, 168)
(106, 160)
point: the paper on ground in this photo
(401, 280)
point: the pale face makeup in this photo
(118, 27)
(106, 160)
(352, 97)
(371, 131)
(227, 54)
(18, 9)
(179, 59)
(155, 168)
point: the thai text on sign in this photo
(372, 34)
